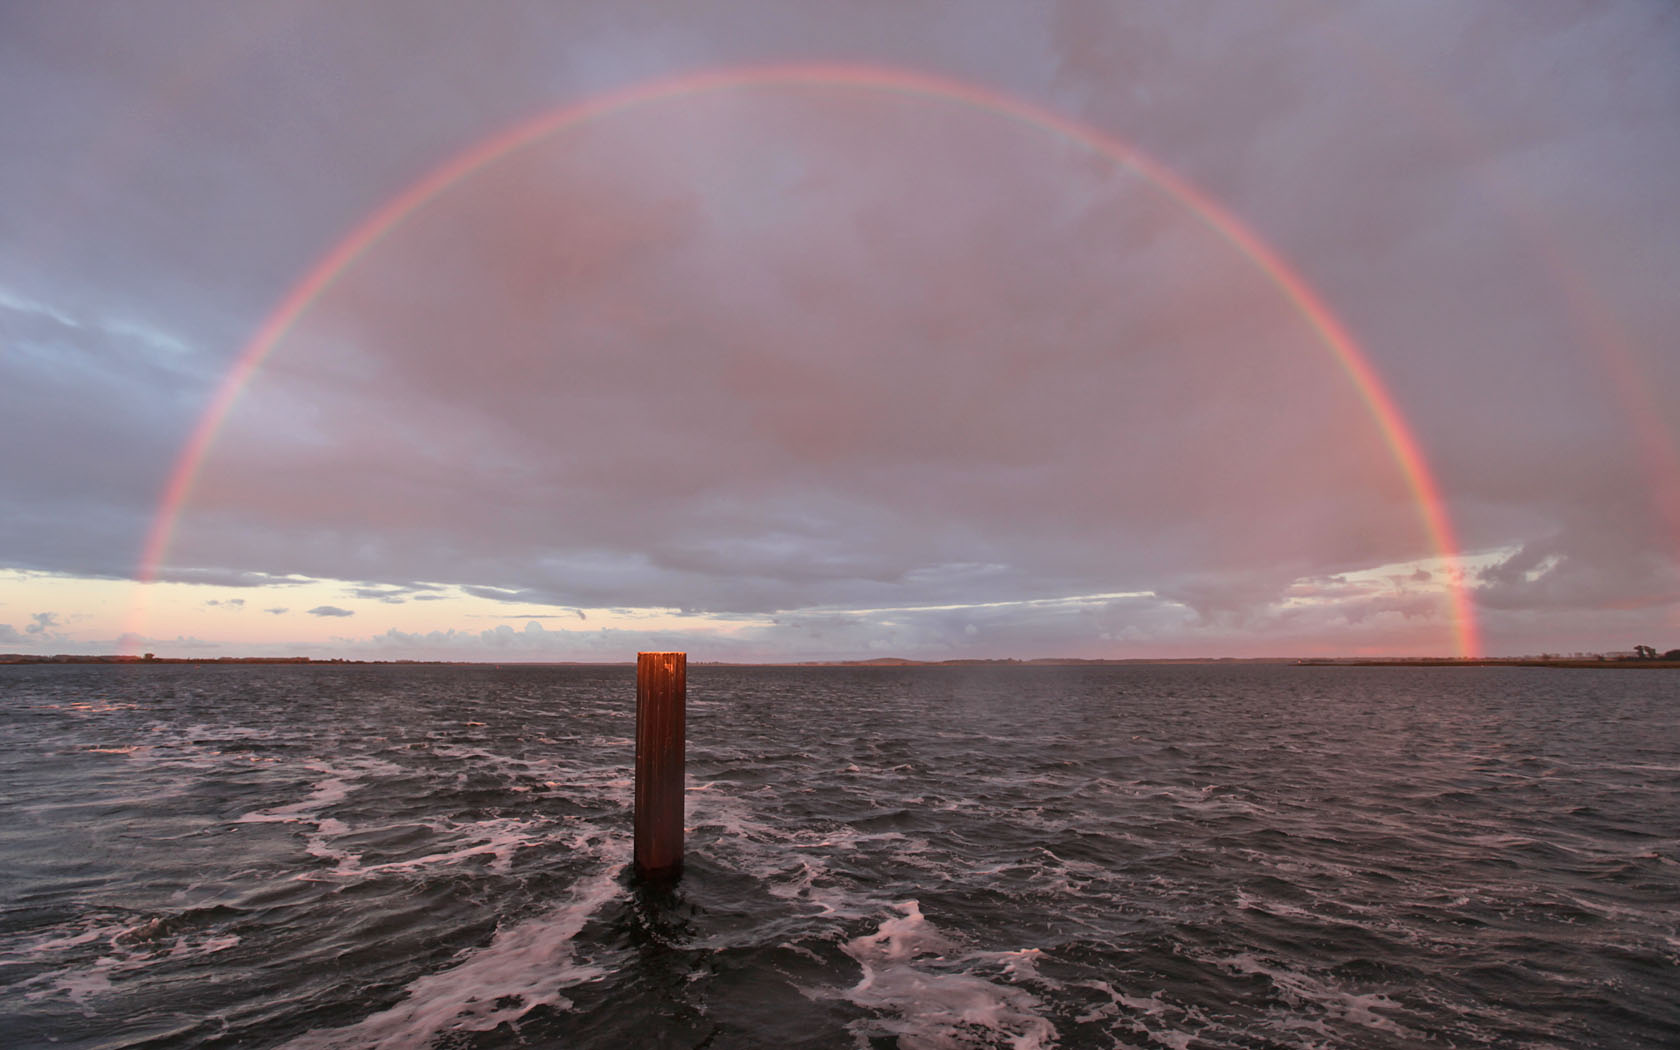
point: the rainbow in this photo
(1402, 444)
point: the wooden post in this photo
(661, 699)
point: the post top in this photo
(663, 654)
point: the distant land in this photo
(1670, 659)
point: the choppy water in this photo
(1220, 856)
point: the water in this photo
(1185, 857)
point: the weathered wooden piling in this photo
(661, 702)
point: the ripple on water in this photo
(1140, 856)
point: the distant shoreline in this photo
(885, 662)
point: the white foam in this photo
(324, 793)
(85, 937)
(791, 862)
(318, 845)
(497, 839)
(129, 949)
(1299, 989)
(1160, 1022)
(523, 967)
(336, 786)
(205, 947)
(78, 986)
(930, 1003)
(1018, 965)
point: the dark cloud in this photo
(396, 594)
(102, 406)
(330, 610)
(1578, 578)
(861, 418)
(230, 578)
(503, 594)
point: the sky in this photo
(782, 332)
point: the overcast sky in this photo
(782, 370)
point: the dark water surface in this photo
(1196, 856)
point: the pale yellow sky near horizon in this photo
(56, 613)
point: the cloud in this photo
(120, 407)
(1544, 575)
(396, 594)
(760, 352)
(9, 635)
(43, 623)
(850, 441)
(228, 603)
(277, 610)
(330, 610)
(431, 642)
(504, 594)
(504, 636)
(214, 577)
